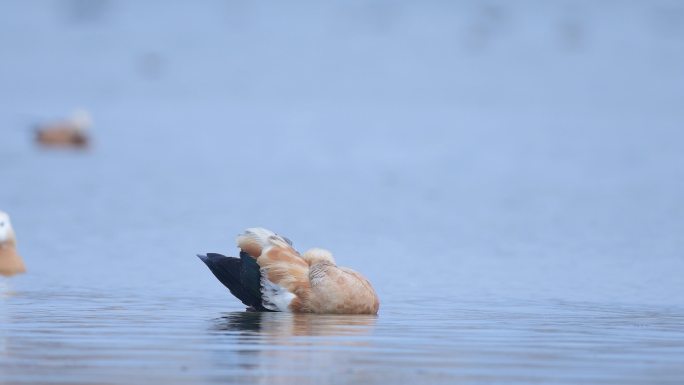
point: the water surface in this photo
(509, 176)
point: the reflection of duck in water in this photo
(271, 275)
(297, 324)
(10, 261)
(292, 348)
(72, 132)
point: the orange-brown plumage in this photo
(61, 137)
(71, 132)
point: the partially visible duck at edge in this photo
(10, 262)
(71, 132)
(270, 275)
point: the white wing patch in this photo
(273, 296)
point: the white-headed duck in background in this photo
(71, 132)
(271, 275)
(10, 261)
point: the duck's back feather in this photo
(240, 275)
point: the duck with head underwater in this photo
(271, 275)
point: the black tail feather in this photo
(239, 276)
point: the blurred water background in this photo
(509, 175)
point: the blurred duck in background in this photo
(271, 275)
(10, 261)
(71, 132)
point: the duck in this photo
(10, 262)
(270, 275)
(70, 132)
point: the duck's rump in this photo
(338, 290)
